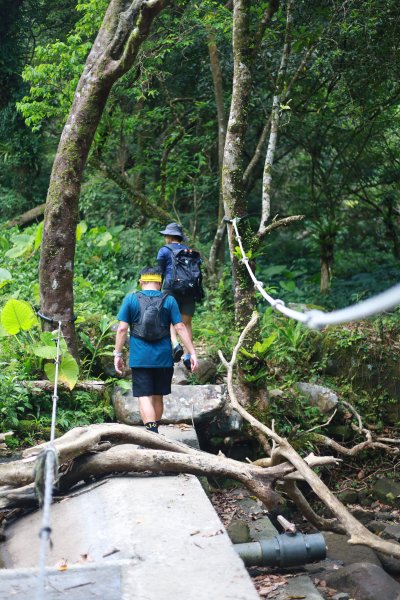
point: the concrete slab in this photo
(165, 525)
(79, 583)
(299, 587)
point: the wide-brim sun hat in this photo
(174, 230)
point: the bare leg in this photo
(158, 407)
(151, 408)
(187, 321)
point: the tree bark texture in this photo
(125, 26)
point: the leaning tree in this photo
(125, 26)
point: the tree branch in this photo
(357, 532)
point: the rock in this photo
(340, 550)
(348, 497)
(181, 375)
(206, 371)
(262, 529)
(226, 423)
(389, 563)
(364, 581)
(276, 393)
(376, 527)
(238, 531)
(319, 396)
(386, 490)
(392, 532)
(197, 402)
(341, 596)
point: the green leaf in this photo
(262, 347)
(68, 371)
(247, 354)
(86, 340)
(103, 238)
(3, 332)
(22, 244)
(38, 236)
(17, 315)
(81, 228)
(5, 277)
(49, 352)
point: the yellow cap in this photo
(154, 277)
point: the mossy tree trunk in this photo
(235, 202)
(247, 39)
(125, 26)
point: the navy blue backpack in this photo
(186, 279)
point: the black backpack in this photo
(150, 326)
(186, 278)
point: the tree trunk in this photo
(125, 26)
(389, 219)
(216, 251)
(235, 202)
(327, 244)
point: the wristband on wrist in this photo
(117, 354)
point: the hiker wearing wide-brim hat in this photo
(174, 230)
(174, 236)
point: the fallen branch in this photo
(282, 449)
(42, 385)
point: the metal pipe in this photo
(285, 550)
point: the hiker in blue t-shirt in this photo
(173, 234)
(149, 315)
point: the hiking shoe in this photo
(177, 353)
(187, 363)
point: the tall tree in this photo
(125, 26)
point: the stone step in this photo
(299, 587)
(185, 404)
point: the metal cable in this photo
(49, 458)
(317, 319)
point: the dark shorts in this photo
(149, 382)
(186, 305)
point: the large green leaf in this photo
(49, 352)
(17, 315)
(68, 371)
(49, 338)
(23, 243)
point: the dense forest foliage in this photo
(324, 80)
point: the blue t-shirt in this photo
(146, 354)
(164, 259)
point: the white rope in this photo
(50, 467)
(316, 319)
